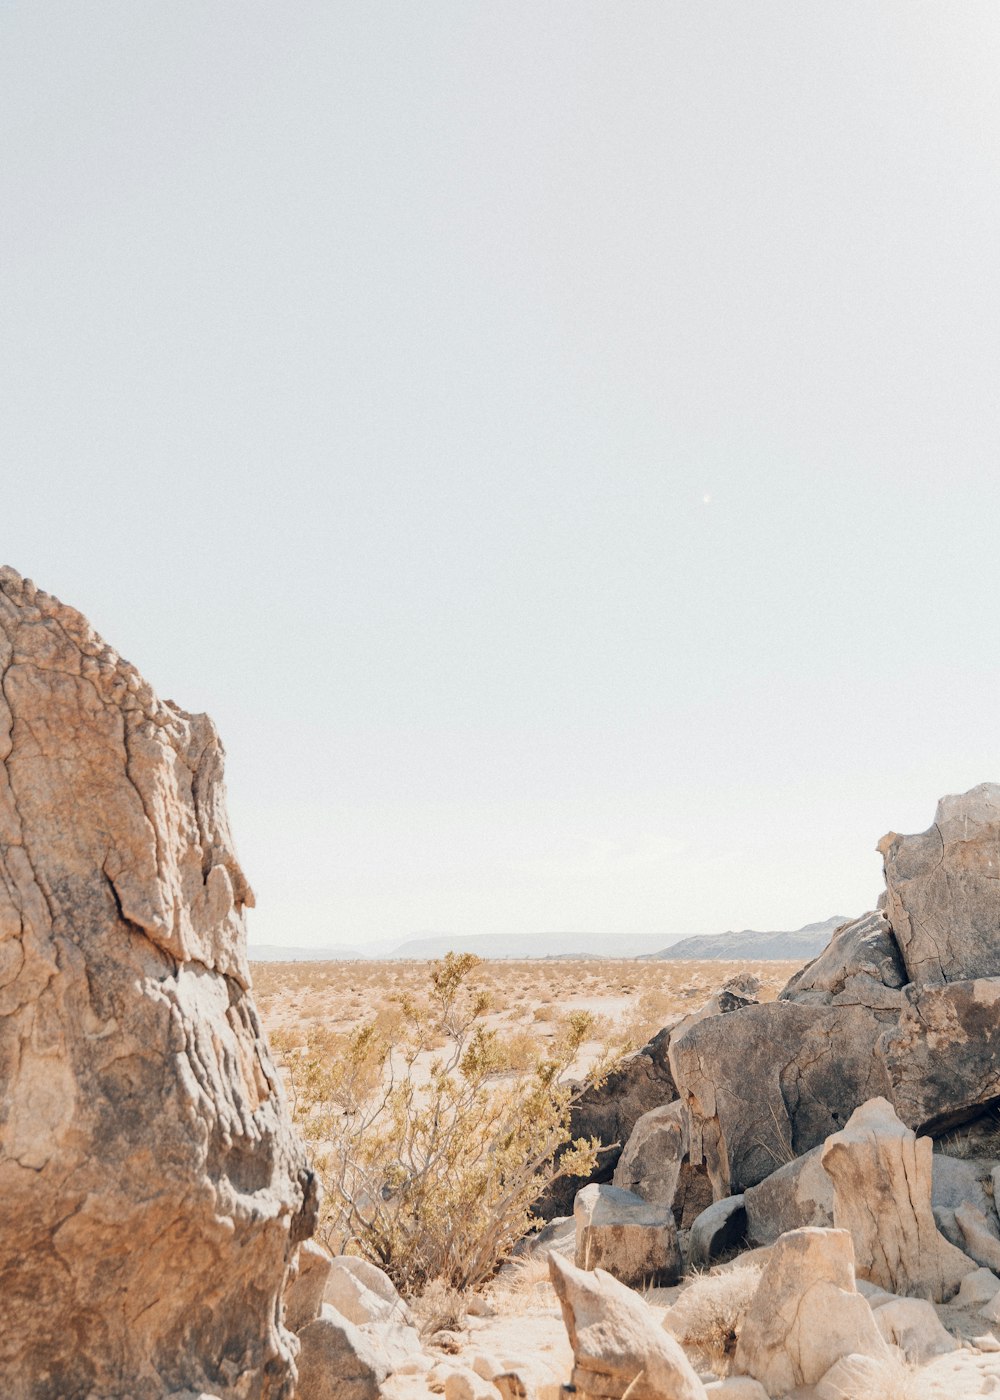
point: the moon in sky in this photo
(706, 500)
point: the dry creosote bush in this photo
(433, 1137)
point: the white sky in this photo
(557, 442)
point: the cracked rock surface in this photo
(943, 890)
(153, 1188)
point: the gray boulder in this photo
(650, 1165)
(767, 1083)
(720, 1229)
(626, 1236)
(942, 1059)
(862, 963)
(942, 891)
(797, 1194)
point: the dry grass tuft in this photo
(439, 1308)
(709, 1314)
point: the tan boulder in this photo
(463, 1383)
(632, 1239)
(912, 1325)
(153, 1190)
(806, 1314)
(881, 1174)
(980, 1238)
(363, 1293)
(307, 1282)
(941, 890)
(339, 1361)
(618, 1344)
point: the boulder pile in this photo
(812, 1119)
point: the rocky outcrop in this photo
(609, 1112)
(626, 1236)
(861, 963)
(153, 1190)
(769, 1082)
(881, 1175)
(943, 1058)
(942, 889)
(806, 1314)
(618, 1343)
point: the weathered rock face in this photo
(881, 1175)
(626, 1236)
(861, 963)
(766, 1083)
(943, 890)
(797, 1194)
(618, 1343)
(806, 1314)
(153, 1189)
(943, 1058)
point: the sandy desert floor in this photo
(629, 1000)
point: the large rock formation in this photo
(901, 1005)
(153, 1191)
(942, 888)
(765, 1084)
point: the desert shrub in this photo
(430, 1152)
(709, 1314)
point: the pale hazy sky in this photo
(558, 442)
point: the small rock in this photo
(737, 1388)
(486, 1366)
(464, 1384)
(912, 1325)
(718, 1230)
(851, 1376)
(628, 1237)
(478, 1306)
(512, 1385)
(418, 1364)
(976, 1289)
(337, 1361)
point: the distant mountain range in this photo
(803, 943)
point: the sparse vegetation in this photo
(432, 1138)
(708, 1316)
